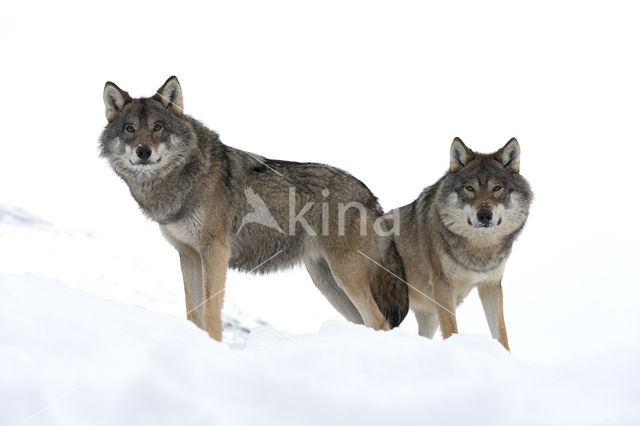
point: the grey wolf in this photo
(222, 207)
(458, 235)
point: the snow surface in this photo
(71, 357)
(84, 360)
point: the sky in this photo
(379, 89)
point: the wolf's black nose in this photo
(143, 152)
(484, 216)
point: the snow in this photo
(74, 358)
(85, 360)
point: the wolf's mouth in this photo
(484, 225)
(145, 163)
(481, 225)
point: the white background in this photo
(377, 88)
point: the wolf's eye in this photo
(497, 188)
(469, 188)
(130, 129)
(157, 128)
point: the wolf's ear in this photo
(460, 155)
(114, 100)
(509, 155)
(170, 95)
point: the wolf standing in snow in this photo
(458, 235)
(221, 207)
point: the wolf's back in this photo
(389, 287)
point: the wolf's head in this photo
(146, 138)
(483, 195)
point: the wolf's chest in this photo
(185, 231)
(465, 279)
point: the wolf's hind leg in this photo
(323, 279)
(353, 278)
(427, 323)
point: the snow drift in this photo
(69, 357)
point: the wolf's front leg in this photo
(491, 297)
(427, 322)
(192, 277)
(443, 295)
(215, 260)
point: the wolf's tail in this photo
(389, 287)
